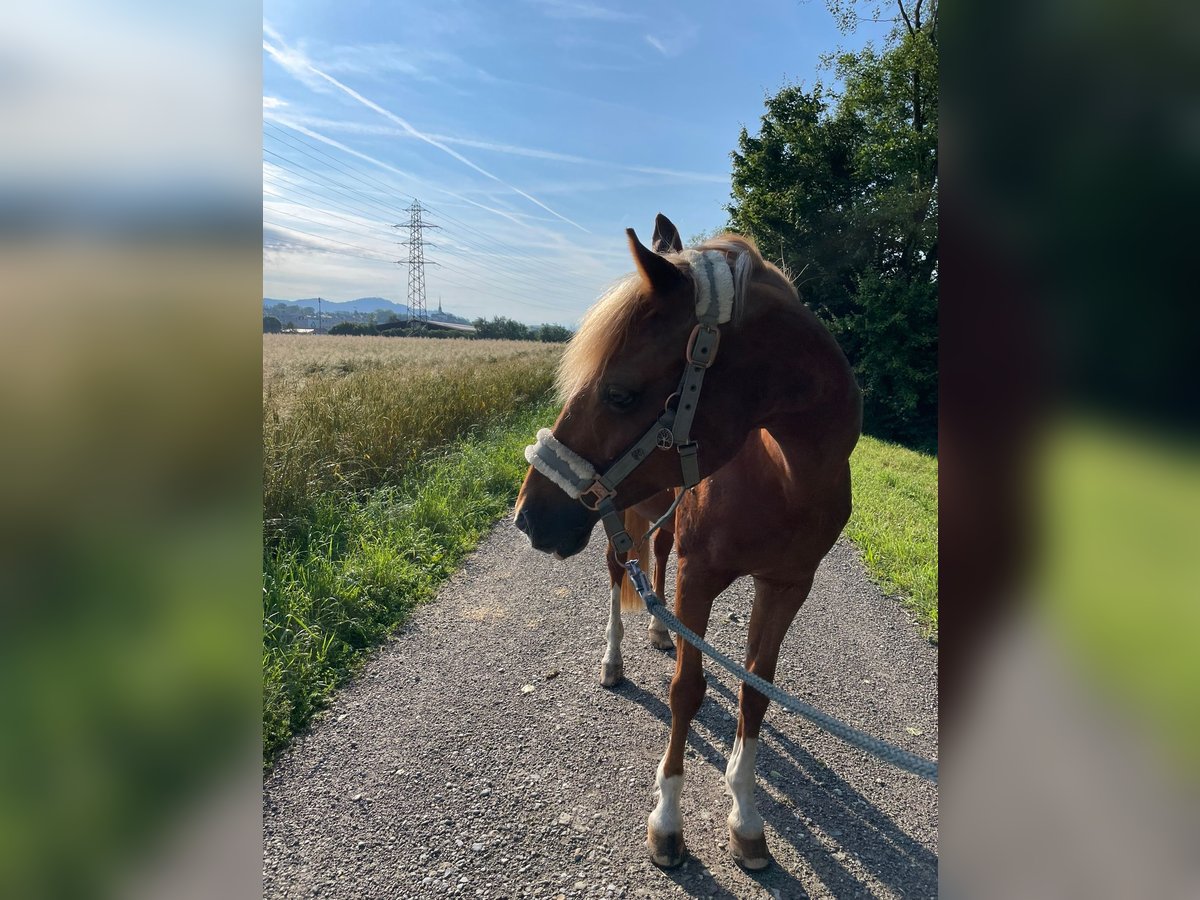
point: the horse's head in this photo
(615, 379)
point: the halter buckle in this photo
(704, 355)
(598, 491)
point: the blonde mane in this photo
(605, 325)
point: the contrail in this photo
(316, 135)
(420, 135)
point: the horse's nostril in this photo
(522, 522)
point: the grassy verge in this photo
(337, 587)
(895, 523)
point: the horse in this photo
(749, 476)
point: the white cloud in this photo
(273, 103)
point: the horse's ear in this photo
(661, 275)
(666, 236)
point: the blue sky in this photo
(535, 132)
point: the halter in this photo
(577, 477)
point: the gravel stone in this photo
(441, 705)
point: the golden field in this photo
(347, 413)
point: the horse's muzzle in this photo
(560, 530)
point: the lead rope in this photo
(889, 753)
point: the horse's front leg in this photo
(612, 667)
(660, 637)
(693, 602)
(775, 606)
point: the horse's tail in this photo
(637, 525)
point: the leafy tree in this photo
(896, 338)
(842, 189)
(554, 334)
(503, 328)
(271, 325)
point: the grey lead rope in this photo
(889, 753)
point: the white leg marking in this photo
(739, 779)
(666, 819)
(612, 669)
(616, 630)
(659, 635)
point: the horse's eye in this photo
(619, 398)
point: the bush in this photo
(271, 325)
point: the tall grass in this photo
(336, 423)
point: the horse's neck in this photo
(807, 398)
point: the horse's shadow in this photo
(831, 804)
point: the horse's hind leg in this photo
(775, 606)
(660, 637)
(612, 667)
(695, 591)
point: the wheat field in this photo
(347, 413)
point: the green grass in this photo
(364, 560)
(895, 523)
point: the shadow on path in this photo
(806, 795)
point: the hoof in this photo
(662, 640)
(611, 674)
(666, 850)
(749, 852)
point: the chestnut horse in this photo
(770, 439)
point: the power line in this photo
(325, 177)
(321, 237)
(372, 182)
(292, 214)
(524, 266)
(275, 180)
(362, 179)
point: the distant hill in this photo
(363, 305)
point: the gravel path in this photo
(441, 771)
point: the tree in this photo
(271, 325)
(353, 328)
(842, 188)
(503, 328)
(554, 334)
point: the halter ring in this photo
(597, 491)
